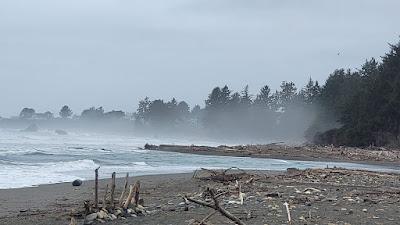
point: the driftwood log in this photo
(121, 199)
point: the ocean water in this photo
(31, 159)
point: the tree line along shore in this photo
(353, 108)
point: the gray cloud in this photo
(112, 53)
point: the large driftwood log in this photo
(112, 190)
(121, 199)
(96, 188)
(216, 206)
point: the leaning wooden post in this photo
(121, 199)
(96, 188)
(112, 190)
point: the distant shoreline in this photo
(301, 153)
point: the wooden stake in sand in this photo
(112, 190)
(121, 199)
(96, 188)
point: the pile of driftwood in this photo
(228, 175)
(110, 208)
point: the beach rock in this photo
(113, 217)
(61, 132)
(90, 218)
(273, 195)
(150, 147)
(102, 215)
(292, 170)
(77, 183)
(118, 212)
(31, 128)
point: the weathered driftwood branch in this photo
(129, 198)
(288, 212)
(121, 199)
(203, 221)
(105, 198)
(73, 221)
(96, 188)
(112, 190)
(216, 206)
(136, 188)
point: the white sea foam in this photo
(17, 175)
(44, 158)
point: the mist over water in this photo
(30, 159)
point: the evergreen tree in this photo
(287, 93)
(142, 112)
(65, 112)
(213, 101)
(264, 99)
(310, 92)
(246, 100)
(225, 96)
(183, 110)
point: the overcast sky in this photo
(112, 53)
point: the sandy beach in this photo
(319, 196)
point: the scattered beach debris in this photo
(246, 195)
